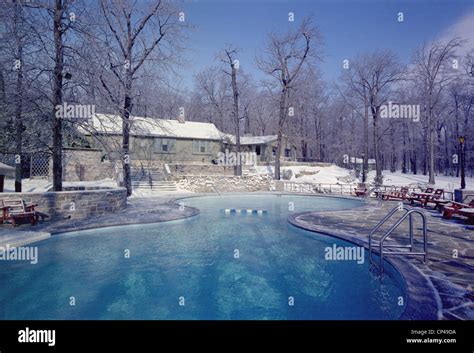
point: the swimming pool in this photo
(215, 265)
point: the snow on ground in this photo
(330, 174)
(336, 175)
(447, 183)
(140, 193)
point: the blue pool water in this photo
(219, 266)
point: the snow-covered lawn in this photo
(336, 175)
(302, 174)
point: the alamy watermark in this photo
(236, 158)
(345, 253)
(400, 111)
(75, 111)
(19, 253)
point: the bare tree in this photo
(212, 89)
(372, 78)
(433, 72)
(285, 55)
(228, 57)
(137, 33)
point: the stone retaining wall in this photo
(74, 204)
(200, 169)
(246, 183)
(83, 164)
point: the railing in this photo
(212, 186)
(343, 189)
(408, 213)
(166, 171)
(382, 222)
(410, 246)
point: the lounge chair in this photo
(361, 190)
(469, 213)
(16, 210)
(3, 212)
(427, 197)
(396, 195)
(453, 208)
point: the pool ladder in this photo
(382, 246)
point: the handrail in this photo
(395, 226)
(378, 225)
(211, 184)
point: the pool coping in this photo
(422, 299)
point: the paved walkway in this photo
(450, 262)
(138, 211)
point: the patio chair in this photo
(453, 208)
(360, 190)
(426, 197)
(17, 210)
(3, 211)
(396, 195)
(469, 213)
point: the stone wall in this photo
(74, 204)
(200, 169)
(246, 183)
(85, 165)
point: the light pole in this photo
(462, 140)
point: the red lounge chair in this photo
(427, 191)
(453, 208)
(469, 213)
(396, 195)
(360, 190)
(17, 210)
(425, 198)
(3, 212)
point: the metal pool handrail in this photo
(411, 252)
(382, 221)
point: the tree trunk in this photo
(127, 180)
(365, 166)
(281, 121)
(393, 157)
(404, 159)
(456, 115)
(378, 162)
(431, 144)
(58, 98)
(18, 104)
(235, 93)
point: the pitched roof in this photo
(6, 169)
(252, 140)
(140, 126)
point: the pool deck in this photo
(453, 278)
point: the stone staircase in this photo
(151, 179)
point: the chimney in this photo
(181, 118)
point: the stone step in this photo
(156, 185)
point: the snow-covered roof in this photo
(140, 126)
(6, 169)
(252, 140)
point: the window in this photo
(257, 150)
(201, 147)
(164, 145)
(287, 152)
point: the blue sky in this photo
(347, 26)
